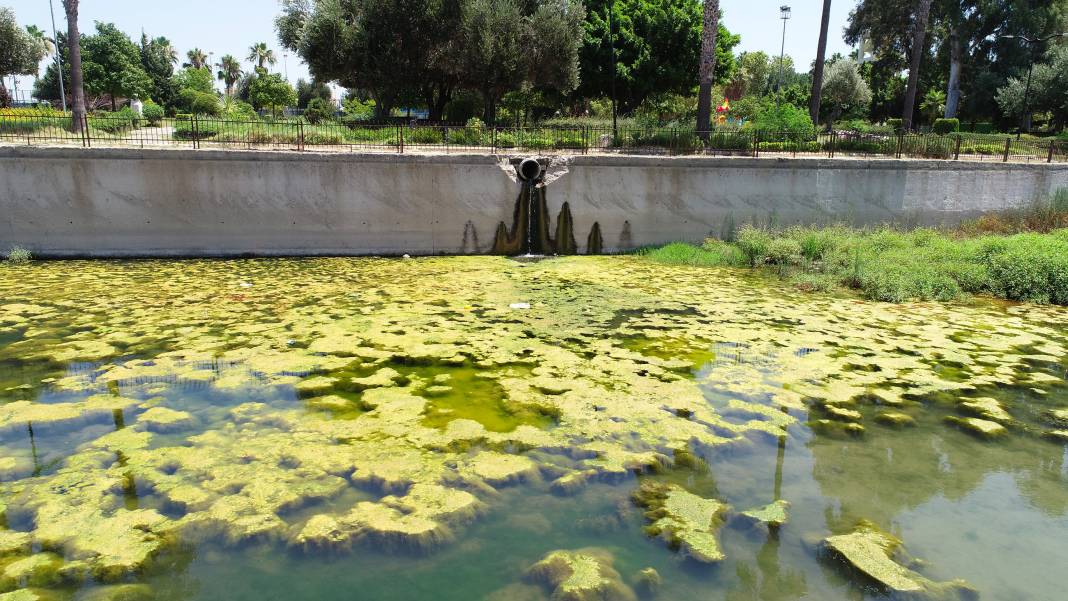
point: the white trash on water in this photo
(519, 306)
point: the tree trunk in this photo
(919, 37)
(709, 30)
(489, 110)
(817, 71)
(77, 83)
(5, 99)
(956, 63)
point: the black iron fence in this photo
(124, 130)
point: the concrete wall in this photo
(119, 202)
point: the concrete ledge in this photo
(60, 201)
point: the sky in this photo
(230, 26)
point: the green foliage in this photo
(310, 90)
(199, 80)
(20, 52)
(895, 124)
(1049, 89)
(19, 256)
(787, 118)
(934, 104)
(946, 126)
(658, 47)
(152, 112)
(358, 109)
(157, 59)
(319, 109)
(238, 110)
(116, 122)
(891, 265)
(111, 65)
(844, 89)
(196, 102)
(754, 243)
(272, 92)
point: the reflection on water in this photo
(338, 429)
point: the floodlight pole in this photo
(784, 14)
(612, 45)
(59, 58)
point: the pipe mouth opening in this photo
(529, 169)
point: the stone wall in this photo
(124, 202)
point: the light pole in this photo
(285, 64)
(612, 45)
(1025, 116)
(59, 59)
(784, 14)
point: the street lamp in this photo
(612, 45)
(784, 14)
(59, 59)
(1025, 117)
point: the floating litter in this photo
(519, 306)
(245, 284)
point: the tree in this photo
(229, 72)
(657, 47)
(198, 59)
(158, 58)
(753, 75)
(20, 51)
(1049, 90)
(77, 88)
(271, 91)
(706, 74)
(844, 89)
(934, 104)
(919, 35)
(817, 69)
(194, 79)
(261, 55)
(310, 90)
(113, 65)
(507, 45)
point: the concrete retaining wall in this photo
(119, 202)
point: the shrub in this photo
(946, 126)
(19, 256)
(787, 118)
(183, 128)
(813, 282)
(1029, 267)
(424, 135)
(200, 103)
(895, 124)
(114, 122)
(152, 112)
(239, 110)
(753, 242)
(711, 254)
(319, 109)
(784, 252)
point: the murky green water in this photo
(393, 429)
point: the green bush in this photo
(319, 109)
(946, 126)
(194, 101)
(114, 122)
(424, 135)
(895, 124)
(754, 243)
(19, 256)
(711, 254)
(152, 112)
(205, 128)
(1029, 267)
(787, 118)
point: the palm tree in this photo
(77, 82)
(709, 30)
(197, 59)
(166, 48)
(919, 37)
(817, 71)
(229, 72)
(261, 55)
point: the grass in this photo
(19, 256)
(1017, 255)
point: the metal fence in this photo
(118, 130)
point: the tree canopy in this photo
(20, 51)
(658, 46)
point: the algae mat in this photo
(480, 428)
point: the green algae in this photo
(246, 416)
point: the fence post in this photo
(85, 131)
(956, 153)
(1049, 159)
(196, 132)
(493, 139)
(756, 144)
(300, 134)
(1008, 143)
(834, 142)
(900, 144)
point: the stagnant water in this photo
(392, 429)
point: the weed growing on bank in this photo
(888, 264)
(19, 256)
